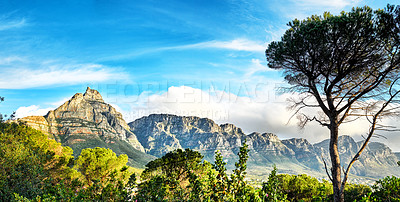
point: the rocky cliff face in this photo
(38, 123)
(87, 121)
(88, 115)
(376, 160)
(161, 133)
(305, 152)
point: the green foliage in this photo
(234, 188)
(174, 164)
(303, 187)
(27, 159)
(136, 158)
(271, 190)
(178, 175)
(220, 185)
(101, 164)
(77, 191)
(387, 189)
(238, 183)
(355, 192)
(154, 189)
(284, 187)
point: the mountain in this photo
(376, 160)
(86, 121)
(161, 133)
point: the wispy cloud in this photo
(301, 9)
(10, 59)
(22, 73)
(239, 44)
(6, 24)
(236, 44)
(328, 3)
(256, 67)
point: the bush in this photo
(387, 189)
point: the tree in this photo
(175, 164)
(272, 189)
(29, 161)
(102, 164)
(238, 183)
(346, 66)
(177, 176)
(220, 184)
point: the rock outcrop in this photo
(88, 114)
(86, 121)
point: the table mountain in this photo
(161, 133)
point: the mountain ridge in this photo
(87, 121)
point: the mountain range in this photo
(86, 121)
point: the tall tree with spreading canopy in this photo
(347, 66)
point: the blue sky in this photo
(203, 58)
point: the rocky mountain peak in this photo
(272, 137)
(92, 95)
(231, 129)
(86, 117)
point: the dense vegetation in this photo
(35, 168)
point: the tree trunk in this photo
(338, 196)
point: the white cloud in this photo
(32, 110)
(256, 67)
(11, 24)
(239, 44)
(263, 113)
(236, 44)
(23, 73)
